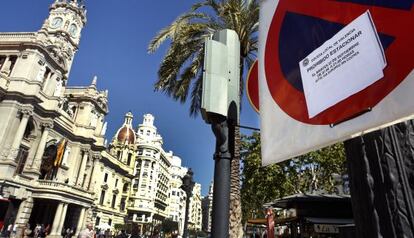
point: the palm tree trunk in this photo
(235, 224)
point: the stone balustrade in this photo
(64, 187)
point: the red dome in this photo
(126, 135)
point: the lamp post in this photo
(220, 106)
(187, 186)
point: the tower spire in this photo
(94, 81)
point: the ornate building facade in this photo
(51, 135)
(55, 167)
(195, 213)
(207, 209)
(177, 195)
(138, 182)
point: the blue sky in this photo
(114, 47)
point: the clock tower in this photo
(61, 31)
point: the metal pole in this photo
(187, 208)
(221, 198)
(221, 190)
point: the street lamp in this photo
(220, 106)
(187, 186)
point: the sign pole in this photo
(220, 108)
(221, 189)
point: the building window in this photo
(21, 160)
(135, 186)
(2, 60)
(84, 180)
(129, 159)
(116, 183)
(13, 60)
(122, 205)
(113, 201)
(105, 177)
(98, 220)
(110, 222)
(118, 155)
(102, 198)
(126, 187)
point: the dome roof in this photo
(125, 134)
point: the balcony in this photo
(50, 188)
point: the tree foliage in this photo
(181, 70)
(305, 173)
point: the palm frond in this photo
(173, 29)
(180, 71)
(196, 96)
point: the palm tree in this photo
(180, 72)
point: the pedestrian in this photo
(47, 230)
(108, 233)
(9, 230)
(101, 233)
(67, 233)
(87, 233)
(27, 231)
(42, 231)
(36, 231)
(14, 230)
(122, 234)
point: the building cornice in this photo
(21, 46)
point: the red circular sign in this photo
(394, 22)
(252, 84)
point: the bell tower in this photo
(61, 31)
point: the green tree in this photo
(259, 184)
(180, 72)
(312, 171)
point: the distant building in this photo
(113, 177)
(50, 134)
(177, 195)
(195, 215)
(207, 208)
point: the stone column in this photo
(37, 160)
(62, 219)
(26, 113)
(82, 167)
(23, 215)
(88, 172)
(90, 184)
(56, 220)
(80, 221)
(5, 65)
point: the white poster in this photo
(290, 31)
(346, 64)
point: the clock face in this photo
(73, 30)
(56, 22)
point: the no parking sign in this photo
(289, 31)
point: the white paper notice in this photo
(347, 63)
